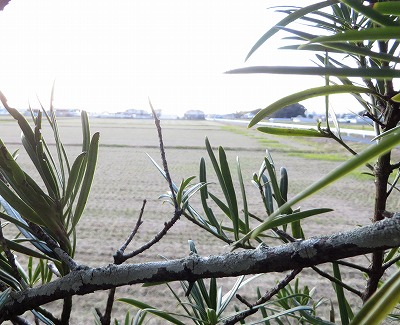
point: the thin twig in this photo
(119, 257)
(391, 262)
(106, 318)
(163, 158)
(354, 266)
(337, 281)
(138, 224)
(167, 226)
(178, 212)
(48, 315)
(268, 295)
(244, 301)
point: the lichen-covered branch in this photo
(381, 235)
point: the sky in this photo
(116, 55)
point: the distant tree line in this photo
(289, 111)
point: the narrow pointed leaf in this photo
(244, 196)
(75, 177)
(23, 123)
(13, 245)
(387, 8)
(291, 131)
(287, 20)
(4, 297)
(226, 210)
(204, 195)
(283, 183)
(274, 182)
(344, 316)
(289, 218)
(306, 94)
(344, 48)
(371, 34)
(151, 310)
(87, 180)
(230, 191)
(381, 303)
(20, 205)
(15, 218)
(370, 13)
(376, 73)
(85, 131)
(390, 140)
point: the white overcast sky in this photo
(114, 55)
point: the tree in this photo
(47, 218)
(292, 110)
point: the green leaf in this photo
(283, 219)
(287, 312)
(344, 48)
(287, 20)
(381, 303)
(87, 180)
(85, 131)
(344, 316)
(213, 294)
(396, 98)
(244, 196)
(204, 195)
(274, 182)
(390, 140)
(369, 12)
(230, 191)
(150, 309)
(306, 94)
(387, 8)
(4, 297)
(268, 197)
(283, 183)
(20, 205)
(189, 193)
(291, 132)
(376, 73)
(212, 316)
(13, 245)
(75, 178)
(23, 123)
(371, 34)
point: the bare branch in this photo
(119, 256)
(381, 235)
(337, 281)
(163, 157)
(167, 226)
(263, 299)
(354, 266)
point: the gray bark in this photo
(382, 235)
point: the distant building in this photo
(67, 112)
(194, 115)
(137, 113)
(248, 115)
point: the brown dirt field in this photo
(125, 177)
